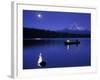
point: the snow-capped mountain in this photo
(75, 28)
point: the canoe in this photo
(68, 42)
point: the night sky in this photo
(49, 20)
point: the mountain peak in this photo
(76, 26)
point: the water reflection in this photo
(54, 53)
(67, 47)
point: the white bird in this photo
(39, 60)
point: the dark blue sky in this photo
(55, 20)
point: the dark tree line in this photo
(37, 33)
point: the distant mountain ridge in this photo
(76, 29)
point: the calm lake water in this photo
(56, 53)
